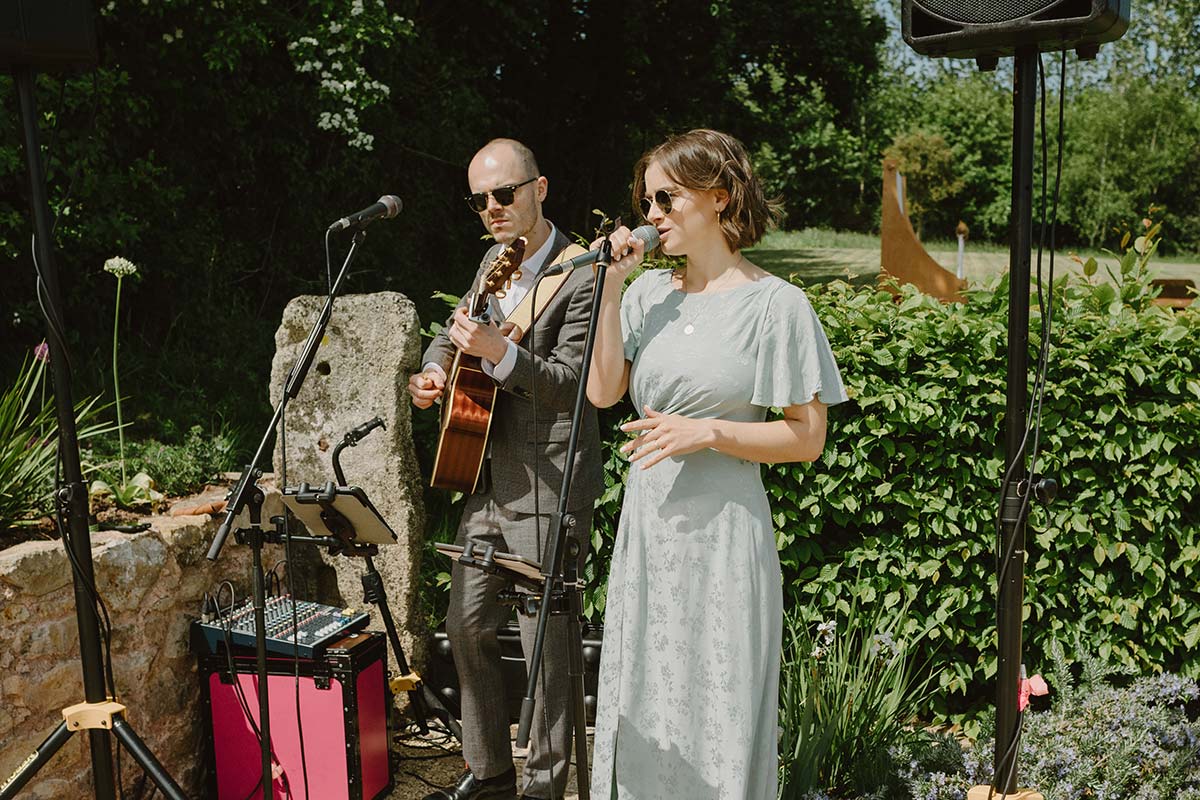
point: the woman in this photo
(690, 668)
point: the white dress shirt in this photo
(531, 267)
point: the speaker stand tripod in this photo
(99, 714)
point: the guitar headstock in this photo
(504, 269)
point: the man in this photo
(507, 193)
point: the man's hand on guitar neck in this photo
(477, 339)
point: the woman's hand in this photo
(664, 435)
(627, 252)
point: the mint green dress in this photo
(689, 672)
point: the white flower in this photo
(121, 267)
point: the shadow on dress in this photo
(644, 770)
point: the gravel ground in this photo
(435, 760)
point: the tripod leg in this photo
(441, 712)
(46, 750)
(421, 696)
(142, 755)
(578, 709)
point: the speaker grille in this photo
(985, 11)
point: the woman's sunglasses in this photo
(662, 199)
(504, 196)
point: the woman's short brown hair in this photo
(704, 159)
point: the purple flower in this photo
(42, 353)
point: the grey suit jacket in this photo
(518, 439)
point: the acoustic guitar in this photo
(470, 393)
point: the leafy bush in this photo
(29, 445)
(177, 469)
(902, 505)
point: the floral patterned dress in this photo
(689, 674)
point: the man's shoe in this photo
(468, 787)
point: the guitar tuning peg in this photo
(500, 293)
(516, 276)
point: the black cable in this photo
(49, 310)
(287, 546)
(227, 634)
(328, 266)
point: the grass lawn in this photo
(819, 256)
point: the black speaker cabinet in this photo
(442, 676)
(989, 29)
(47, 33)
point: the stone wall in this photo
(153, 584)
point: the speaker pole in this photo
(1011, 575)
(100, 715)
(73, 497)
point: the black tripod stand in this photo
(419, 694)
(100, 714)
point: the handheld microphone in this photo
(647, 233)
(388, 206)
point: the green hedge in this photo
(902, 506)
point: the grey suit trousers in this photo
(471, 623)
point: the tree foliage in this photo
(213, 144)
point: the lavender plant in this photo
(1107, 740)
(1108, 737)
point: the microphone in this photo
(388, 206)
(353, 437)
(647, 233)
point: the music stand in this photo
(341, 512)
(343, 519)
(516, 569)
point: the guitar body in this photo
(466, 419)
(470, 393)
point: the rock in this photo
(35, 567)
(360, 370)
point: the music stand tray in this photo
(505, 562)
(313, 507)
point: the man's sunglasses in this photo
(504, 195)
(662, 199)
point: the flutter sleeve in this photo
(795, 362)
(633, 313)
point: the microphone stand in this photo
(248, 492)
(561, 593)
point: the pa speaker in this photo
(988, 29)
(47, 33)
